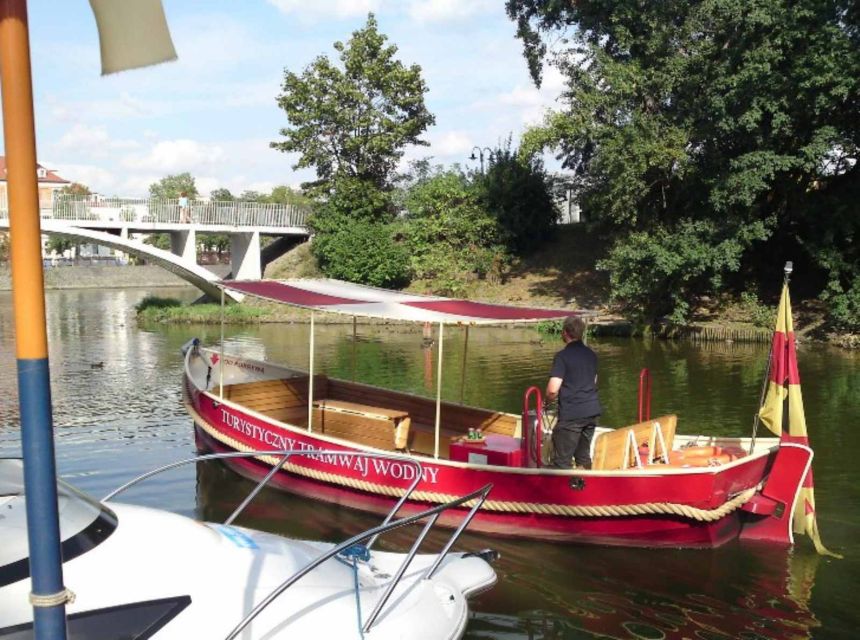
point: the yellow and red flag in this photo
(782, 413)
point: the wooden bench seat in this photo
(379, 427)
(277, 398)
(610, 447)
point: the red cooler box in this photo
(502, 451)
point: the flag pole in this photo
(787, 269)
(48, 596)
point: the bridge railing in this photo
(152, 211)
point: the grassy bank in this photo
(562, 274)
(170, 310)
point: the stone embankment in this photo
(102, 276)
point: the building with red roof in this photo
(49, 184)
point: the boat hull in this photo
(598, 507)
(653, 531)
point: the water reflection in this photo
(125, 417)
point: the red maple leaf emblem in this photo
(214, 359)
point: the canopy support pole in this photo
(311, 379)
(438, 393)
(354, 336)
(31, 336)
(463, 367)
(221, 357)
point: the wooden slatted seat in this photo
(356, 421)
(610, 447)
(281, 399)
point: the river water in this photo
(118, 413)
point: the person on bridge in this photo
(573, 381)
(183, 208)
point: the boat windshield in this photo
(84, 522)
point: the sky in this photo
(213, 112)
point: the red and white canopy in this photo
(335, 296)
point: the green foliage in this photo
(549, 327)
(287, 195)
(355, 199)
(221, 195)
(168, 310)
(75, 189)
(353, 119)
(155, 302)
(758, 313)
(655, 273)
(516, 191)
(728, 123)
(58, 244)
(159, 240)
(251, 196)
(173, 186)
(219, 242)
(364, 252)
(450, 236)
(845, 306)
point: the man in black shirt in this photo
(573, 380)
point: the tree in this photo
(353, 238)
(450, 235)
(221, 195)
(516, 191)
(75, 189)
(251, 196)
(286, 195)
(353, 120)
(704, 136)
(58, 244)
(172, 186)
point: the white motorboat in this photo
(141, 573)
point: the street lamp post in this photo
(480, 155)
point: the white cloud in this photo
(205, 184)
(92, 141)
(448, 10)
(216, 41)
(322, 9)
(96, 178)
(450, 143)
(175, 156)
(136, 185)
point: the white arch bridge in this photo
(109, 223)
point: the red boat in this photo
(649, 486)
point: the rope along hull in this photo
(688, 508)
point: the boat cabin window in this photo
(84, 522)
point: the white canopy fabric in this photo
(335, 296)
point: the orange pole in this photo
(19, 132)
(31, 338)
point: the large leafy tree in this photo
(172, 186)
(517, 192)
(706, 134)
(353, 119)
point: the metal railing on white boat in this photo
(365, 539)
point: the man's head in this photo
(573, 328)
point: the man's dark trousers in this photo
(571, 440)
